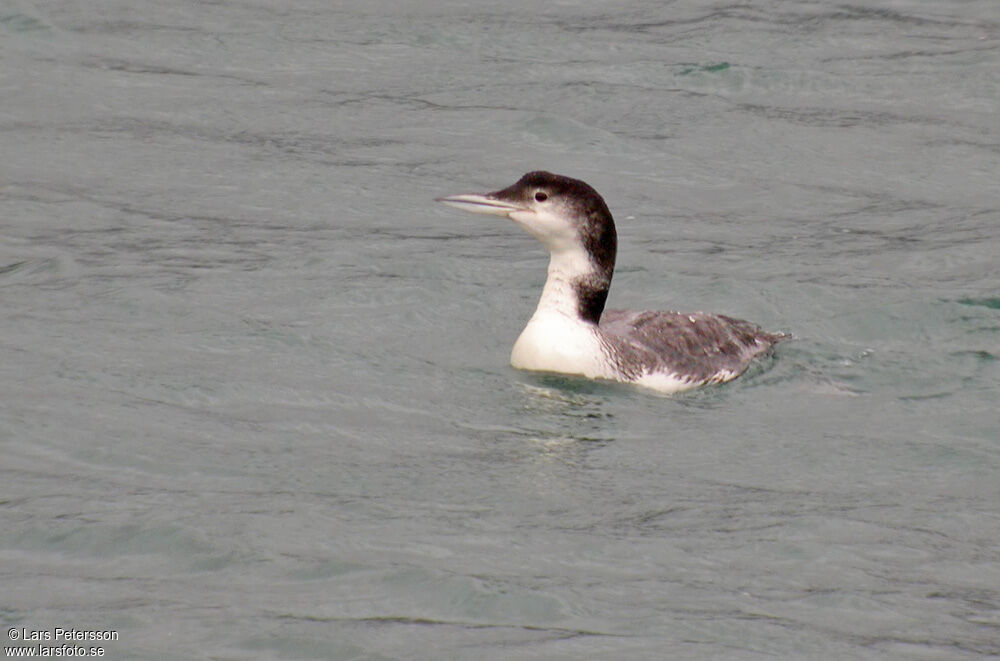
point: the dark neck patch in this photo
(601, 242)
(591, 294)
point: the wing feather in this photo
(699, 347)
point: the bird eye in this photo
(540, 196)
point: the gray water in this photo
(254, 393)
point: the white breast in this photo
(555, 342)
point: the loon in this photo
(571, 332)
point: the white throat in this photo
(565, 268)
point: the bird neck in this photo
(576, 287)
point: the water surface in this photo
(254, 389)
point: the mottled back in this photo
(700, 347)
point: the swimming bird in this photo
(571, 332)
